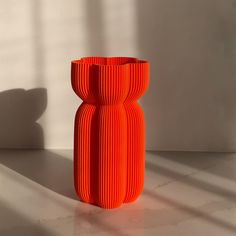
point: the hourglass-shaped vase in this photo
(109, 135)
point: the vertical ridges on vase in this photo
(139, 74)
(84, 162)
(135, 151)
(112, 91)
(109, 129)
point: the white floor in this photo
(185, 194)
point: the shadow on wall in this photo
(20, 109)
(190, 104)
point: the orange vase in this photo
(109, 135)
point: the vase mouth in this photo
(109, 61)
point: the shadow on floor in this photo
(183, 212)
(55, 172)
(46, 168)
(207, 162)
(9, 218)
(197, 164)
(201, 160)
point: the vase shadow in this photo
(20, 109)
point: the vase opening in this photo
(109, 61)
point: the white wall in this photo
(190, 44)
(192, 47)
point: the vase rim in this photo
(109, 61)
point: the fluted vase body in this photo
(109, 129)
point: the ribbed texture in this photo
(109, 130)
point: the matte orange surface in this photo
(109, 135)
